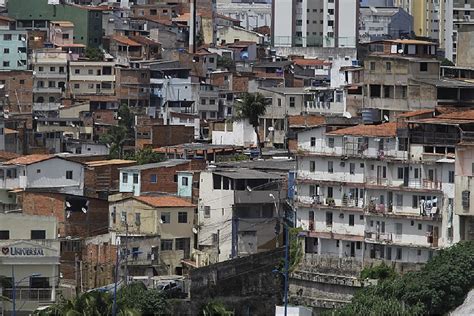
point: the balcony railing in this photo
(29, 294)
(376, 236)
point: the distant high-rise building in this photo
(325, 23)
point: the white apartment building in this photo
(315, 23)
(49, 79)
(363, 192)
(91, 78)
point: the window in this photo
(352, 167)
(77, 71)
(123, 217)
(165, 217)
(330, 167)
(372, 66)
(451, 176)
(313, 141)
(183, 217)
(279, 102)
(153, 178)
(52, 69)
(400, 173)
(328, 218)
(331, 142)
(330, 192)
(423, 67)
(22, 81)
(351, 220)
(415, 203)
(399, 200)
(207, 211)
(399, 254)
(166, 244)
(77, 86)
(312, 166)
(465, 196)
(138, 219)
(184, 181)
(180, 243)
(114, 215)
(4, 234)
(292, 102)
(38, 234)
(135, 178)
(6, 51)
(388, 66)
(420, 226)
(6, 64)
(398, 229)
(125, 177)
(38, 170)
(90, 71)
(7, 37)
(69, 174)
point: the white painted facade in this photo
(361, 196)
(130, 180)
(251, 15)
(55, 173)
(241, 134)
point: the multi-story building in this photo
(252, 14)
(13, 51)
(239, 212)
(366, 192)
(49, 79)
(384, 22)
(427, 16)
(456, 13)
(17, 90)
(315, 23)
(30, 258)
(132, 86)
(162, 230)
(91, 78)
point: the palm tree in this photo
(251, 107)
(115, 138)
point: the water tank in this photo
(370, 116)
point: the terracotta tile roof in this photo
(143, 40)
(156, 19)
(164, 201)
(98, 163)
(6, 18)
(380, 130)
(7, 155)
(458, 115)
(63, 23)
(306, 120)
(28, 160)
(311, 62)
(225, 17)
(416, 113)
(124, 40)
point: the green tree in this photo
(251, 107)
(381, 271)
(146, 155)
(446, 62)
(147, 301)
(126, 118)
(115, 138)
(94, 54)
(439, 287)
(225, 62)
(215, 308)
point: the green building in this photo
(34, 13)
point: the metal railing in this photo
(29, 294)
(376, 236)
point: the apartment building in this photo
(14, 49)
(457, 13)
(384, 22)
(88, 78)
(328, 23)
(30, 258)
(239, 212)
(394, 72)
(365, 192)
(162, 230)
(49, 79)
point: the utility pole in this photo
(126, 254)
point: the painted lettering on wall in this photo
(22, 251)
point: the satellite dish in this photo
(68, 204)
(195, 231)
(347, 115)
(84, 210)
(385, 118)
(400, 51)
(161, 221)
(271, 129)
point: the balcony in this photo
(46, 106)
(255, 197)
(378, 237)
(29, 294)
(47, 90)
(50, 75)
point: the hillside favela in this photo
(236, 157)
